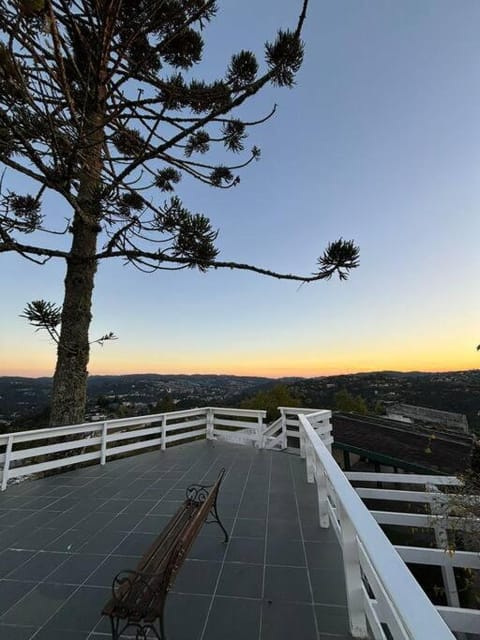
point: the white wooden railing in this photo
(30, 452)
(381, 591)
(384, 600)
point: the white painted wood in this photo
(222, 411)
(103, 450)
(210, 424)
(385, 610)
(118, 436)
(415, 519)
(353, 576)
(164, 433)
(372, 618)
(440, 529)
(16, 472)
(400, 495)
(136, 446)
(260, 427)
(186, 436)
(292, 434)
(188, 424)
(439, 557)
(223, 422)
(236, 437)
(43, 434)
(321, 482)
(402, 478)
(21, 454)
(309, 463)
(419, 617)
(462, 620)
(6, 465)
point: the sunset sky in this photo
(379, 142)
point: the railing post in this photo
(309, 463)
(322, 495)
(440, 528)
(353, 575)
(302, 440)
(6, 464)
(103, 454)
(260, 442)
(284, 428)
(164, 432)
(210, 423)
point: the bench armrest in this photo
(128, 584)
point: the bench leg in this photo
(115, 623)
(216, 518)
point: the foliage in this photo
(345, 401)
(270, 399)
(101, 111)
(48, 316)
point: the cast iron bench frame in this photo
(138, 596)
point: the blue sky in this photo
(379, 142)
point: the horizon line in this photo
(253, 375)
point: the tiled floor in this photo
(63, 539)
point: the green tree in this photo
(270, 399)
(345, 401)
(101, 115)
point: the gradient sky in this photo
(379, 142)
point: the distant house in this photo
(446, 420)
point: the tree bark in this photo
(69, 394)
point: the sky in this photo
(379, 142)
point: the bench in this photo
(138, 596)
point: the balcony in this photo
(305, 559)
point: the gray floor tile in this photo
(208, 548)
(285, 620)
(249, 528)
(285, 552)
(69, 542)
(75, 569)
(287, 584)
(38, 605)
(197, 577)
(241, 580)
(185, 616)
(47, 633)
(251, 550)
(93, 497)
(280, 528)
(10, 632)
(322, 555)
(135, 544)
(104, 542)
(40, 566)
(152, 524)
(109, 568)
(332, 619)
(328, 586)
(82, 611)
(233, 618)
(11, 592)
(11, 559)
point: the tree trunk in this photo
(69, 395)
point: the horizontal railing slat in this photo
(55, 448)
(16, 472)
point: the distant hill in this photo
(457, 391)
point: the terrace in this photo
(305, 557)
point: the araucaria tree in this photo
(99, 106)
